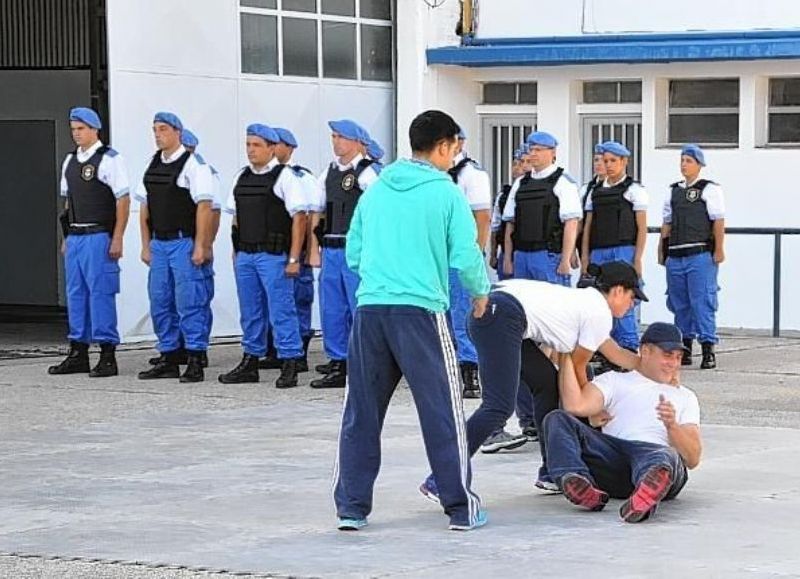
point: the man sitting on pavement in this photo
(650, 435)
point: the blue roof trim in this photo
(616, 48)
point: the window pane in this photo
(528, 93)
(704, 93)
(339, 7)
(784, 92)
(300, 5)
(376, 52)
(720, 128)
(377, 9)
(496, 93)
(338, 50)
(260, 3)
(259, 44)
(599, 92)
(300, 47)
(784, 128)
(630, 92)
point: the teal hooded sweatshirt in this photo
(409, 228)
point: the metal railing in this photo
(777, 233)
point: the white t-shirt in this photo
(287, 188)
(561, 317)
(569, 202)
(712, 195)
(474, 183)
(631, 400)
(636, 195)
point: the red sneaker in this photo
(643, 502)
(580, 491)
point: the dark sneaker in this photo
(502, 441)
(469, 377)
(531, 433)
(654, 486)
(480, 520)
(580, 491)
(429, 490)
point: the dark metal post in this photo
(776, 289)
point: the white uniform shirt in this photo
(497, 215)
(309, 183)
(216, 202)
(712, 195)
(368, 177)
(565, 189)
(636, 195)
(287, 188)
(195, 176)
(561, 317)
(631, 400)
(474, 183)
(111, 170)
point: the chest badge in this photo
(692, 195)
(87, 172)
(348, 181)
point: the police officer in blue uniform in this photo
(542, 212)
(498, 226)
(176, 224)
(692, 247)
(475, 184)
(95, 184)
(339, 188)
(615, 229)
(268, 233)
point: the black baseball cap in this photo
(666, 336)
(619, 273)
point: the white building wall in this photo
(759, 181)
(183, 56)
(522, 19)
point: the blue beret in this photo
(286, 137)
(86, 116)
(263, 131)
(616, 148)
(461, 134)
(347, 129)
(170, 119)
(518, 154)
(541, 139)
(374, 150)
(695, 153)
(188, 138)
(598, 149)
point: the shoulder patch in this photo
(300, 171)
(675, 184)
(213, 170)
(111, 152)
(199, 158)
(569, 178)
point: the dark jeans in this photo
(615, 465)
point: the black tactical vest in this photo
(455, 170)
(90, 200)
(690, 221)
(171, 208)
(537, 223)
(342, 193)
(613, 218)
(500, 235)
(262, 218)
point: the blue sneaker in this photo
(346, 524)
(480, 521)
(429, 490)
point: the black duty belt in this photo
(687, 251)
(260, 248)
(334, 242)
(89, 229)
(170, 235)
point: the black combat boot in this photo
(288, 377)
(76, 362)
(469, 376)
(166, 367)
(107, 365)
(271, 360)
(709, 361)
(194, 367)
(302, 366)
(686, 359)
(324, 368)
(336, 378)
(180, 357)
(245, 373)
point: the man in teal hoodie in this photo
(409, 228)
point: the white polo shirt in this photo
(565, 189)
(561, 317)
(195, 176)
(636, 195)
(631, 400)
(309, 183)
(474, 184)
(287, 188)
(712, 195)
(111, 170)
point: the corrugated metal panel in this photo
(45, 34)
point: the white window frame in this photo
(777, 110)
(516, 84)
(703, 111)
(617, 102)
(319, 17)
